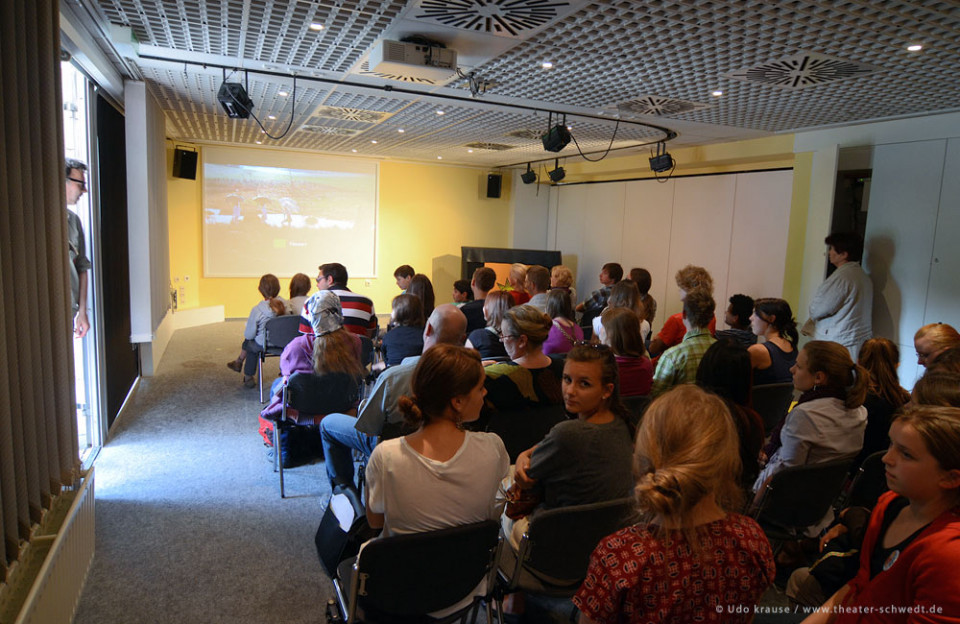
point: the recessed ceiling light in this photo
(916, 47)
(439, 157)
(354, 151)
(469, 151)
(546, 65)
(263, 132)
(282, 93)
(716, 93)
(259, 142)
(271, 116)
(569, 127)
(316, 26)
(374, 141)
(400, 130)
(440, 112)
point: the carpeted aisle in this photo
(190, 523)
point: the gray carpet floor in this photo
(190, 523)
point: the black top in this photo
(876, 436)
(882, 558)
(487, 343)
(780, 364)
(401, 342)
(473, 310)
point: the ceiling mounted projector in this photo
(420, 60)
(234, 100)
(556, 138)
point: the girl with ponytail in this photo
(691, 554)
(440, 476)
(772, 320)
(829, 419)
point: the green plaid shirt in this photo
(679, 364)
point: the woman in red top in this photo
(689, 279)
(911, 552)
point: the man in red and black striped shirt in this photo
(358, 314)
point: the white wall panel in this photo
(648, 213)
(602, 231)
(944, 293)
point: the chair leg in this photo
(260, 375)
(278, 454)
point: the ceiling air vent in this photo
(365, 71)
(530, 135)
(807, 69)
(350, 114)
(656, 105)
(496, 147)
(513, 18)
(329, 130)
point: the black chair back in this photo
(636, 405)
(366, 351)
(322, 394)
(279, 332)
(561, 540)
(772, 401)
(416, 574)
(799, 496)
(521, 429)
(869, 482)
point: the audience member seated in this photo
(737, 318)
(932, 340)
(359, 316)
(641, 277)
(484, 279)
(537, 284)
(679, 363)
(253, 332)
(440, 476)
(911, 550)
(947, 360)
(462, 293)
(561, 278)
(515, 284)
(624, 294)
(420, 286)
(689, 279)
(775, 356)
(341, 434)
(405, 338)
(937, 387)
(829, 419)
(620, 330)
(610, 274)
(403, 274)
(726, 371)
(692, 557)
(565, 333)
(530, 378)
(299, 289)
(328, 349)
(487, 339)
(580, 461)
(880, 357)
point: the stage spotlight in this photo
(529, 177)
(662, 161)
(235, 101)
(558, 173)
(556, 138)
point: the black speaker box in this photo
(184, 164)
(493, 185)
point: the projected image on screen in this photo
(267, 219)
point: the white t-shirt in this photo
(599, 333)
(417, 494)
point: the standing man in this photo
(358, 314)
(79, 263)
(842, 307)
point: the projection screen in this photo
(281, 212)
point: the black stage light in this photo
(556, 138)
(558, 173)
(662, 161)
(234, 99)
(529, 177)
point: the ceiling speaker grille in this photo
(802, 70)
(656, 105)
(512, 18)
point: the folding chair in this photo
(867, 484)
(278, 333)
(772, 401)
(799, 497)
(521, 429)
(554, 552)
(403, 578)
(313, 394)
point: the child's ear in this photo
(950, 479)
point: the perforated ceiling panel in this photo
(781, 66)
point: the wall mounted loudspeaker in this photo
(493, 185)
(184, 164)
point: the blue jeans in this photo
(340, 438)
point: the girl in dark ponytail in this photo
(772, 320)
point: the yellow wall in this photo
(426, 213)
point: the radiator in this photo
(55, 591)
